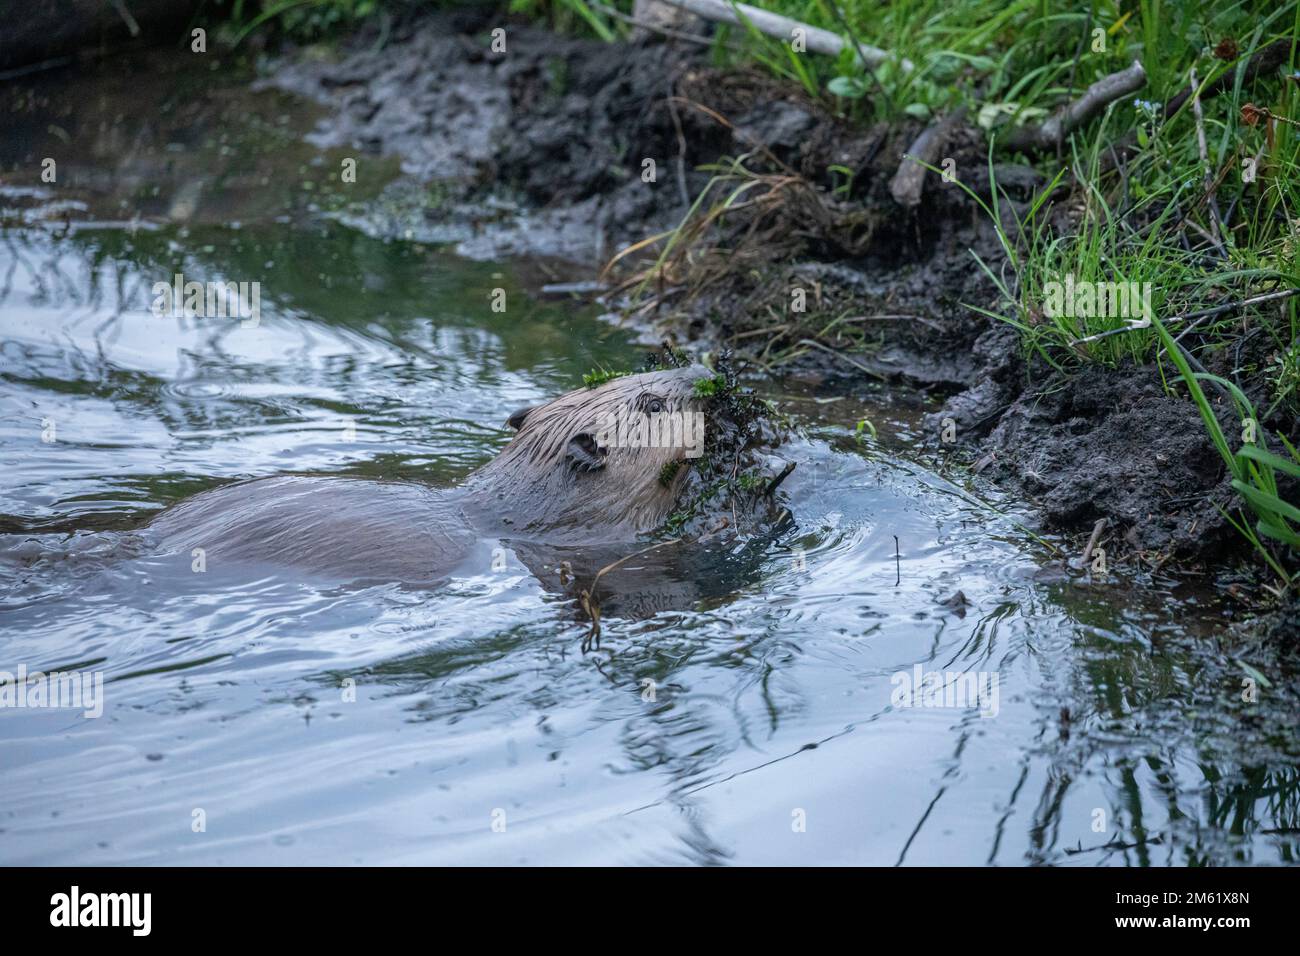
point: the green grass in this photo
(1149, 222)
(1253, 467)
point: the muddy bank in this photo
(536, 151)
(543, 150)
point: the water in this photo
(750, 720)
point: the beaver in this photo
(572, 472)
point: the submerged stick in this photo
(1105, 91)
(782, 28)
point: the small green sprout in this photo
(600, 375)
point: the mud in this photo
(537, 151)
(540, 152)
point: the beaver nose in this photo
(698, 371)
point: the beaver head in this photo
(598, 463)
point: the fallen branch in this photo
(1264, 60)
(909, 180)
(652, 27)
(1050, 133)
(775, 25)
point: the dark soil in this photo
(540, 151)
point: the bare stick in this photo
(1208, 172)
(1262, 61)
(1097, 529)
(775, 482)
(652, 27)
(129, 20)
(908, 181)
(1105, 91)
(775, 25)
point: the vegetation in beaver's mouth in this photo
(728, 486)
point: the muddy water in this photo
(756, 714)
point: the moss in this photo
(710, 387)
(599, 376)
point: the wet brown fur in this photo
(541, 486)
(537, 485)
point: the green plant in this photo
(600, 375)
(709, 387)
(1254, 469)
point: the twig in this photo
(588, 599)
(680, 163)
(782, 28)
(129, 20)
(653, 27)
(854, 362)
(1207, 172)
(1102, 93)
(909, 180)
(861, 54)
(1097, 529)
(1263, 60)
(748, 137)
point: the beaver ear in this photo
(516, 419)
(585, 453)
